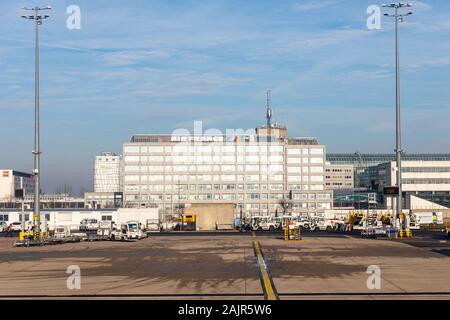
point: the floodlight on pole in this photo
(37, 17)
(398, 18)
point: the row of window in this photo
(426, 181)
(194, 159)
(202, 149)
(226, 196)
(197, 159)
(205, 168)
(204, 177)
(5, 217)
(224, 187)
(426, 169)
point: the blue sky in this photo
(155, 66)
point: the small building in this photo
(212, 216)
(339, 176)
(427, 180)
(107, 169)
(11, 180)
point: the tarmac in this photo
(230, 265)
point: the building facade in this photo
(428, 180)
(257, 173)
(11, 180)
(339, 176)
(363, 163)
(107, 172)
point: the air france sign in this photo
(196, 139)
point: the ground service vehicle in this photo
(263, 223)
(88, 224)
(16, 226)
(105, 228)
(427, 218)
(127, 231)
(134, 230)
(189, 222)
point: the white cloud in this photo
(420, 5)
(129, 57)
(314, 4)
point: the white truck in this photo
(263, 223)
(427, 218)
(88, 224)
(147, 217)
(66, 232)
(128, 231)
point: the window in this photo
(129, 149)
(276, 187)
(131, 178)
(276, 148)
(275, 168)
(294, 169)
(294, 160)
(294, 178)
(228, 168)
(131, 159)
(316, 178)
(276, 158)
(4, 217)
(206, 196)
(316, 160)
(294, 151)
(131, 168)
(230, 196)
(251, 168)
(106, 218)
(253, 196)
(228, 177)
(316, 169)
(252, 186)
(155, 159)
(316, 151)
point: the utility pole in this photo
(180, 212)
(37, 17)
(398, 150)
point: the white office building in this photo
(11, 180)
(339, 176)
(427, 180)
(256, 172)
(107, 169)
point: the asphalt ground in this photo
(231, 265)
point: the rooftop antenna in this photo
(268, 111)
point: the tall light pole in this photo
(398, 150)
(37, 17)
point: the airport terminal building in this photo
(260, 173)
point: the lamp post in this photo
(398, 150)
(37, 17)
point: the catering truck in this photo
(427, 218)
(146, 217)
(128, 231)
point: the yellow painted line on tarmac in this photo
(269, 289)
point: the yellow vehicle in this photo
(189, 222)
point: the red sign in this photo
(5, 173)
